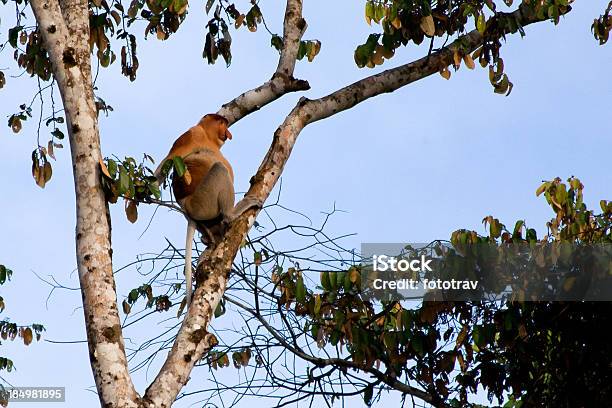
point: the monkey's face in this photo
(216, 128)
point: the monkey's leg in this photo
(243, 205)
(210, 201)
(212, 196)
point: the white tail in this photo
(191, 227)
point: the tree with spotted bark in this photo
(59, 49)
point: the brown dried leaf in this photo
(27, 336)
(427, 25)
(50, 149)
(445, 73)
(131, 211)
(104, 169)
(469, 62)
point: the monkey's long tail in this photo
(191, 227)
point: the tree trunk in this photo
(65, 29)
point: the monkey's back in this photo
(198, 164)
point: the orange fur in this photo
(210, 133)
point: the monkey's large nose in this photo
(228, 134)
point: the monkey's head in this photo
(216, 129)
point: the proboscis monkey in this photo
(207, 194)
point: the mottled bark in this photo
(282, 81)
(65, 30)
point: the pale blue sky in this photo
(409, 167)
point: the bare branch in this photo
(390, 380)
(393, 79)
(193, 339)
(282, 81)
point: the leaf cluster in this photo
(132, 181)
(11, 331)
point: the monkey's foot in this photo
(245, 204)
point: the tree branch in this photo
(393, 79)
(193, 339)
(214, 265)
(340, 362)
(282, 80)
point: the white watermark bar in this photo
(32, 394)
(533, 271)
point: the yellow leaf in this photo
(541, 189)
(469, 62)
(396, 23)
(481, 24)
(314, 50)
(104, 169)
(428, 26)
(187, 177)
(369, 12)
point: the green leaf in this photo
(531, 235)
(333, 279)
(124, 181)
(209, 4)
(302, 50)
(58, 134)
(300, 290)
(179, 166)
(314, 331)
(481, 24)
(220, 309)
(561, 194)
(3, 274)
(317, 305)
(347, 282)
(369, 12)
(112, 168)
(517, 227)
(13, 34)
(542, 188)
(154, 189)
(277, 42)
(368, 393)
(133, 296)
(325, 281)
